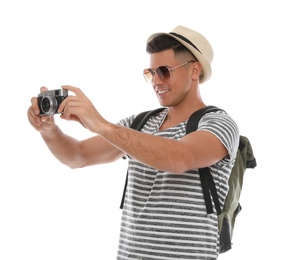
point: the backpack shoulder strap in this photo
(193, 121)
(142, 117)
(137, 124)
(207, 182)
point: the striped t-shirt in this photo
(164, 215)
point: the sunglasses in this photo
(163, 72)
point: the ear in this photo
(196, 70)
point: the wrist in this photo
(49, 130)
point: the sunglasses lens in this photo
(163, 72)
(148, 74)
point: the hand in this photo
(40, 123)
(79, 108)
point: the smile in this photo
(161, 91)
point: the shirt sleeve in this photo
(126, 122)
(224, 128)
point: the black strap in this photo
(193, 121)
(185, 39)
(208, 187)
(124, 192)
(141, 118)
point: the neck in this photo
(189, 105)
(182, 113)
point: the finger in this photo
(70, 117)
(76, 90)
(65, 102)
(33, 118)
(43, 89)
(72, 101)
(34, 104)
(71, 108)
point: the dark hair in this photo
(164, 42)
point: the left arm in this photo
(195, 150)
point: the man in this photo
(164, 215)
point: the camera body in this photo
(50, 100)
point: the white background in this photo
(48, 211)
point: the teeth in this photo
(162, 91)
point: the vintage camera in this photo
(50, 100)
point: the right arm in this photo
(68, 150)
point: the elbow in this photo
(74, 165)
(71, 166)
(180, 168)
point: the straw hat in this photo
(196, 43)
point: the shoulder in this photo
(224, 127)
(218, 119)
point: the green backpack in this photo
(245, 159)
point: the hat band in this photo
(186, 40)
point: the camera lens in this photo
(49, 105)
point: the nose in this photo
(156, 80)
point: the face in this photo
(173, 90)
